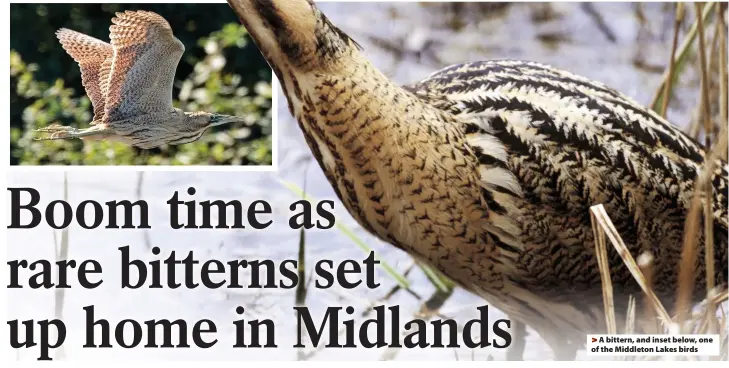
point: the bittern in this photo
(487, 170)
(129, 83)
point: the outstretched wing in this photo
(558, 143)
(90, 53)
(146, 54)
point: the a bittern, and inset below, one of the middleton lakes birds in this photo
(487, 170)
(129, 83)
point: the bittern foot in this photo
(57, 131)
(518, 342)
(564, 352)
(562, 348)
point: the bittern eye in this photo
(216, 119)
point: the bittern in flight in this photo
(129, 83)
(487, 170)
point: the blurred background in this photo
(625, 45)
(221, 71)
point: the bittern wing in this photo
(600, 146)
(146, 54)
(90, 53)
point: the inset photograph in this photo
(136, 84)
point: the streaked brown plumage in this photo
(129, 83)
(487, 170)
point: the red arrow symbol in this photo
(594, 339)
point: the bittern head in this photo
(195, 125)
(294, 34)
(219, 119)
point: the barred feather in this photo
(572, 143)
(130, 83)
(487, 170)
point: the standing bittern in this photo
(487, 170)
(129, 83)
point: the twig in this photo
(392, 290)
(708, 185)
(705, 112)
(301, 288)
(686, 276)
(427, 310)
(437, 278)
(645, 264)
(432, 305)
(598, 213)
(682, 54)
(607, 285)
(672, 62)
(713, 66)
(724, 96)
(630, 318)
(599, 20)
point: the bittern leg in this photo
(518, 342)
(563, 350)
(66, 132)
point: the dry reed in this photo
(672, 62)
(681, 56)
(604, 227)
(645, 264)
(689, 318)
(607, 285)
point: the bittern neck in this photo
(369, 135)
(354, 108)
(372, 138)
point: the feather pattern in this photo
(487, 170)
(91, 54)
(572, 143)
(130, 83)
(146, 54)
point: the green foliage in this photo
(220, 72)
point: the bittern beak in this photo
(218, 119)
